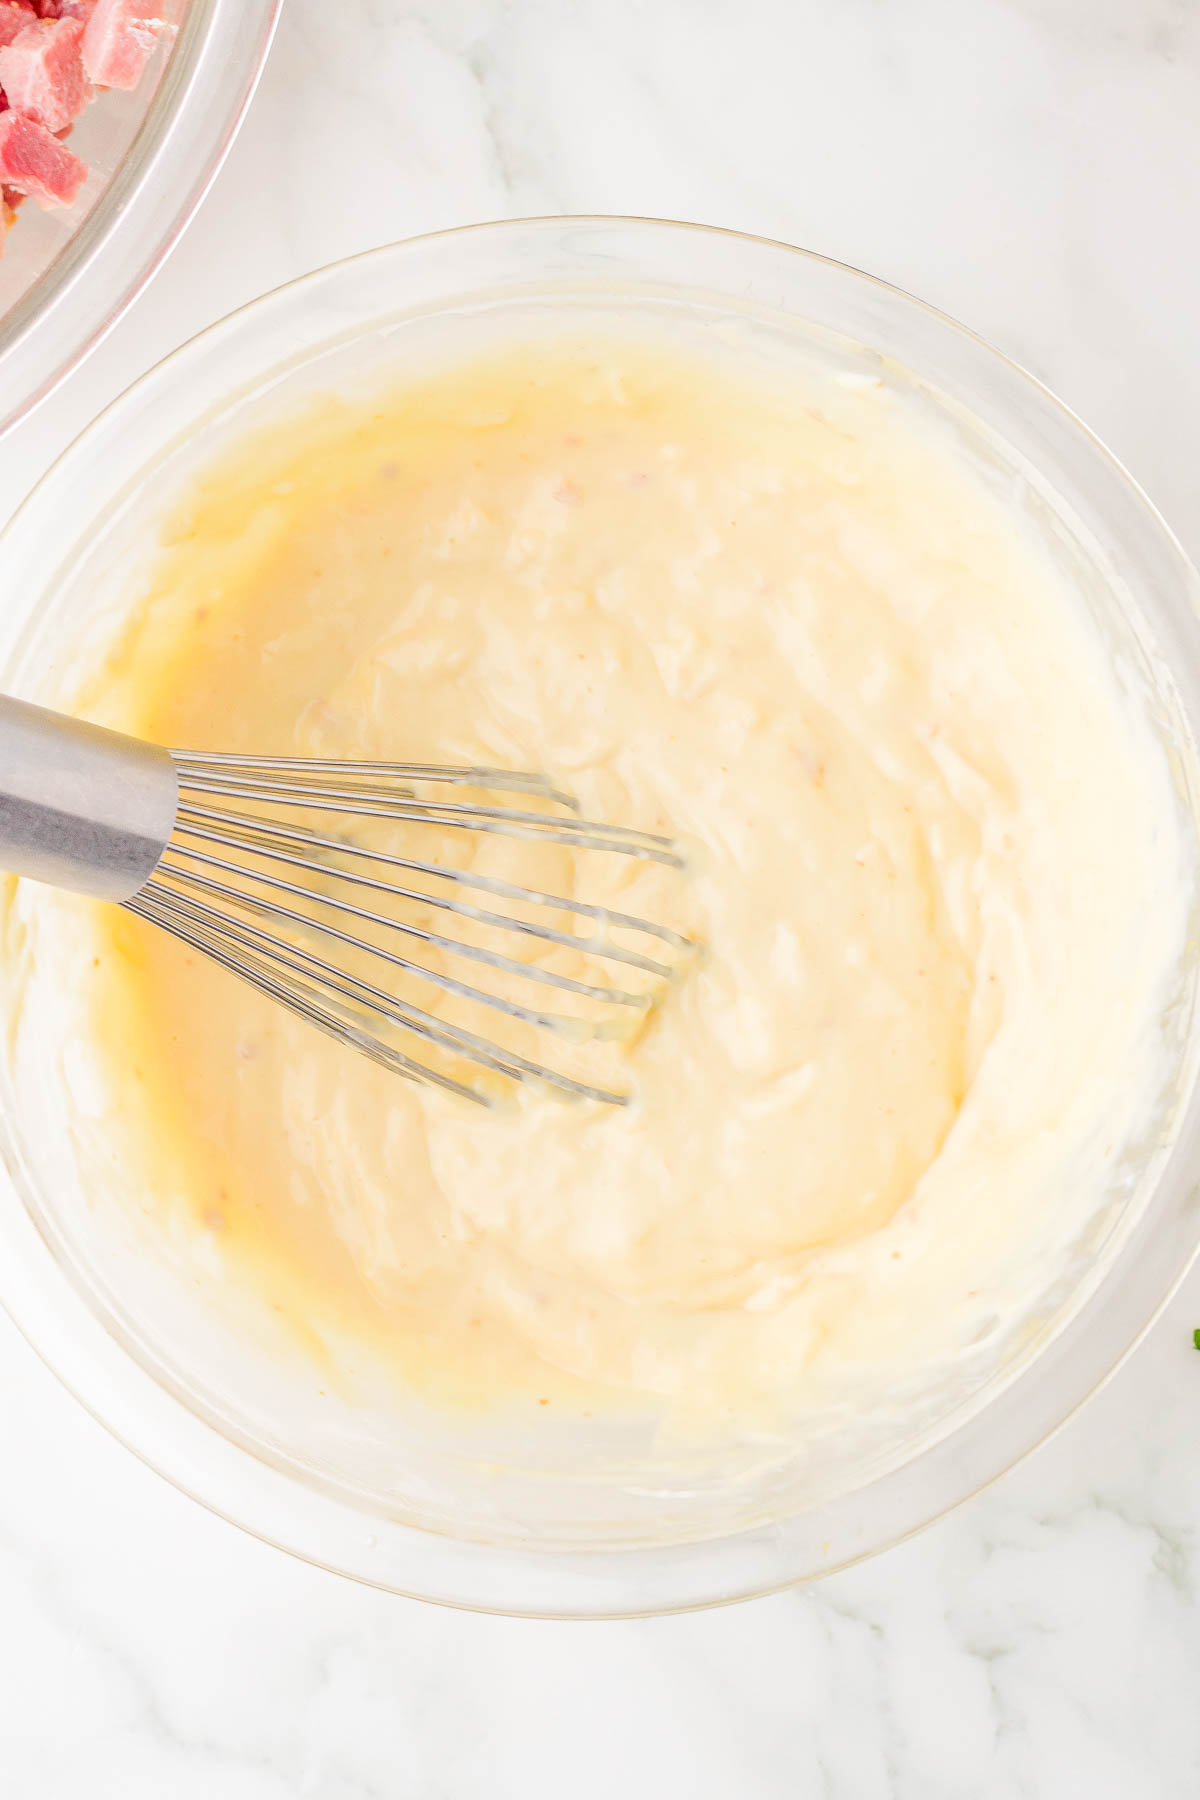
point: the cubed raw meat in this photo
(118, 40)
(41, 72)
(15, 17)
(34, 162)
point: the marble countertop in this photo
(1033, 167)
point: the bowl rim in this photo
(189, 126)
(231, 1480)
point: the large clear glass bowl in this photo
(68, 274)
(441, 1509)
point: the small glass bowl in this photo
(67, 275)
(469, 1524)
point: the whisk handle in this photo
(81, 807)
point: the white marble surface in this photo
(1033, 166)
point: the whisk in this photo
(220, 851)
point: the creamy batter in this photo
(931, 868)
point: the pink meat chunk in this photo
(15, 17)
(34, 162)
(118, 40)
(41, 72)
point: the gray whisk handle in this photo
(81, 807)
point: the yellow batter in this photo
(927, 839)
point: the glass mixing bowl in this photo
(152, 1343)
(67, 275)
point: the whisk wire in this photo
(593, 945)
(303, 1002)
(513, 781)
(371, 802)
(246, 884)
(256, 831)
(210, 931)
(431, 939)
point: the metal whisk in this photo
(218, 850)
